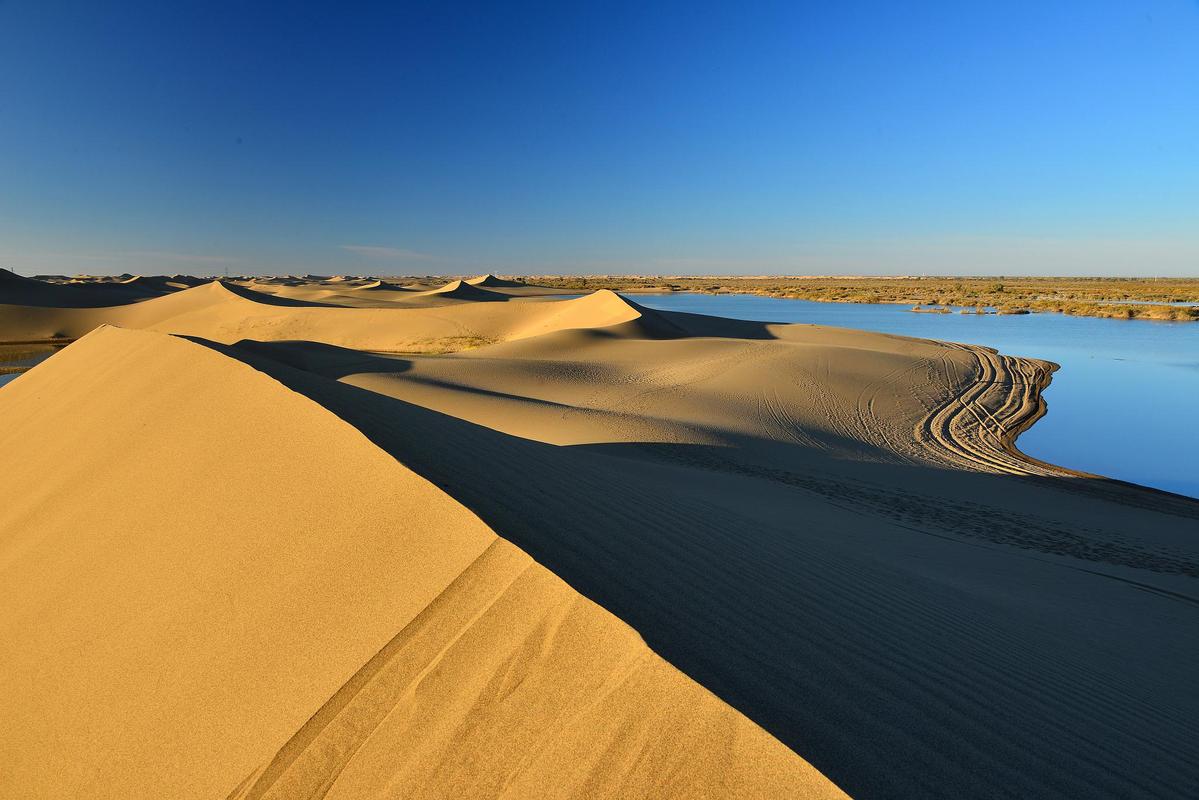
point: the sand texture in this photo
(345, 538)
(200, 560)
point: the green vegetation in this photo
(1119, 298)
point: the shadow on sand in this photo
(912, 632)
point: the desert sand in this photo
(350, 537)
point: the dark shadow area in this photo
(270, 299)
(680, 324)
(382, 286)
(458, 290)
(327, 360)
(904, 645)
(21, 291)
(490, 281)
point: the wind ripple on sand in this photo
(505, 669)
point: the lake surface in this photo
(22, 356)
(1123, 403)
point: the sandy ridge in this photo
(246, 595)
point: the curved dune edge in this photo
(198, 560)
(978, 428)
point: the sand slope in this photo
(832, 531)
(917, 617)
(219, 587)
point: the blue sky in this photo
(825, 138)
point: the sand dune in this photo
(683, 532)
(228, 312)
(911, 629)
(21, 291)
(380, 286)
(490, 281)
(284, 601)
(459, 290)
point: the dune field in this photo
(344, 537)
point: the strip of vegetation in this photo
(1119, 298)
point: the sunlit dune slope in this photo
(214, 587)
(228, 312)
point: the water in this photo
(1122, 405)
(22, 356)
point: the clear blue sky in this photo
(849, 137)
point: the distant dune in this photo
(18, 290)
(459, 290)
(490, 281)
(314, 538)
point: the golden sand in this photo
(350, 538)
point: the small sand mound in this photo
(382, 286)
(602, 309)
(458, 290)
(260, 297)
(491, 281)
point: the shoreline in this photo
(997, 408)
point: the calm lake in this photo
(1123, 404)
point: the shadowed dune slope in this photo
(492, 282)
(17, 290)
(460, 290)
(221, 589)
(797, 523)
